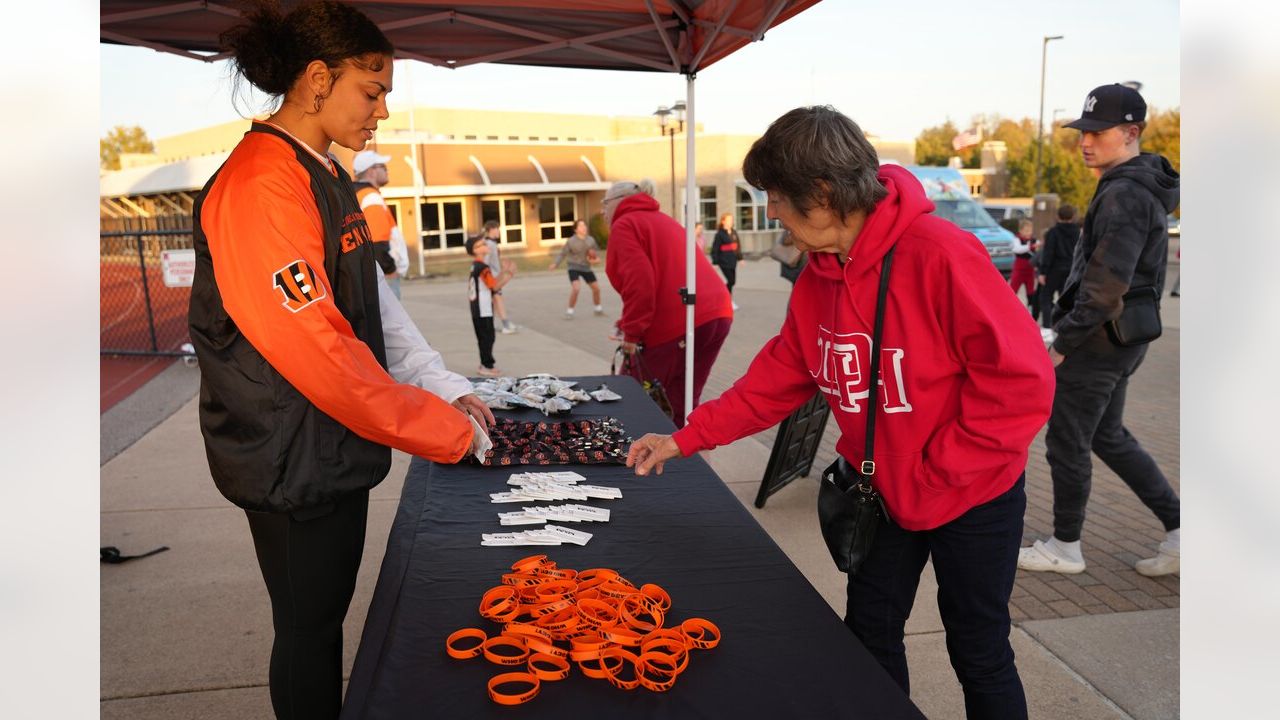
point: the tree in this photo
(119, 140)
(1163, 136)
(933, 145)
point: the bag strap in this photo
(873, 393)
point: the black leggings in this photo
(310, 570)
(730, 275)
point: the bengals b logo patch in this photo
(297, 282)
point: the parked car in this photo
(1008, 212)
(1174, 230)
(949, 191)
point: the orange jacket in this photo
(296, 405)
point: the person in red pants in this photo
(646, 265)
(1024, 272)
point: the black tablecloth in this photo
(784, 653)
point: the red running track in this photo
(123, 325)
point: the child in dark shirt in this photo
(480, 287)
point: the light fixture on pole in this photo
(663, 112)
(1044, 52)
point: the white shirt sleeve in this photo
(410, 359)
(1021, 246)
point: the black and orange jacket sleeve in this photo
(260, 218)
(380, 223)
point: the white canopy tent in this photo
(682, 36)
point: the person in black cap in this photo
(1124, 244)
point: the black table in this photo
(784, 653)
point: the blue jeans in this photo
(975, 558)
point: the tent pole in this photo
(691, 208)
(417, 173)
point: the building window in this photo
(556, 214)
(442, 225)
(749, 209)
(508, 213)
(707, 206)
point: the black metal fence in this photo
(141, 314)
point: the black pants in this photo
(310, 570)
(484, 338)
(730, 275)
(1052, 287)
(1088, 416)
(975, 558)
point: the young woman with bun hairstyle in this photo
(310, 369)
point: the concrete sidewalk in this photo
(186, 633)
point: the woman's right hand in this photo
(651, 452)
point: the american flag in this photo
(968, 138)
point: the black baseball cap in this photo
(1108, 106)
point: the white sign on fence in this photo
(179, 267)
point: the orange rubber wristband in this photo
(559, 574)
(520, 579)
(526, 629)
(598, 575)
(522, 678)
(593, 668)
(597, 613)
(702, 634)
(559, 669)
(505, 641)
(499, 603)
(544, 646)
(657, 594)
(465, 653)
(549, 608)
(666, 634)
(560, 621)
(621, 635)
(527, 564)
(635, 608)
(652, 674)
(555, 590)
(677, 651)
(615, 589)
(612, 670)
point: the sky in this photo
(894, 67)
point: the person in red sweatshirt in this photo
(965, 386)
(646, 265)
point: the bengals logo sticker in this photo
(297, 282)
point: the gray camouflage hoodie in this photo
(1124, 244)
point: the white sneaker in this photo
(1040, 557)
(1166, 562)
(488, 372)
(568, 313)
(599, 309)
(735, 306)
(509, 329)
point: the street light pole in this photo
(1044, 52)
(662, 112)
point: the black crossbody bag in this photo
(1139, 321)
(849, 507)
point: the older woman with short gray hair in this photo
(964, 386)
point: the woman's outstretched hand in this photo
(650, 452)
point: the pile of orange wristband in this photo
(552, 617)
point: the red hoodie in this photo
(966, 382)
(646, 265)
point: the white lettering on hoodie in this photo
(846, 369)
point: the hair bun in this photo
(262, 48)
